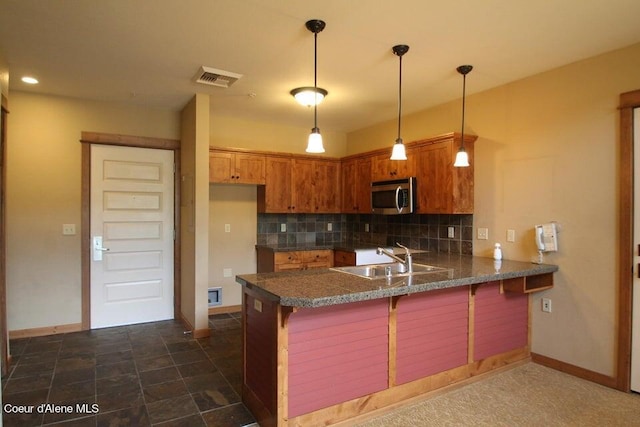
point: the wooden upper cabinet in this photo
(243, 168)
(300, 185)
(275, 195)
(441, 187)
(326, 191)
(383, 168)
(356, 185)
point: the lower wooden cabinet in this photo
(344, 258)
(271, 261)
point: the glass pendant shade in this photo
(309, 96)
(462, 159)
(315, 142)
(398, 152)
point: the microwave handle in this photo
(398, 199)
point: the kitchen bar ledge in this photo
(325, 287)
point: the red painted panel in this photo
(337, 353)
(432, 333)
(501, 321)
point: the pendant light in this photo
(462, 158)
(315, 139)
(309, 96)
(399, 152)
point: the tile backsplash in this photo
(426, 232)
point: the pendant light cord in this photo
(464, 84)
(399, 99)
(315, 80)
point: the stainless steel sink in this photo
(380, 271)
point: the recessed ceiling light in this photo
(30, 80)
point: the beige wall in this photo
(195, 211)
(43, 192)
(547, 151)
(4, 76)
(239, 133)
(235, 205)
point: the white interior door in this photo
(635, 326)
(132, 233)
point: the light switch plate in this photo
(226, 272)
(483, 233)
(227, 228)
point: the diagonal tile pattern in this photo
(139, 375)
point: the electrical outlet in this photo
(283, 228)
(226, 272)
(511, 235)
(257, 305)
(483, 234)
(329, 226)
(451, 232)
(366, 228)
(546, 305)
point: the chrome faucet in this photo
(407, 261)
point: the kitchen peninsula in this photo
(322, 346)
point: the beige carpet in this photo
(529, 395)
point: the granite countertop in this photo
(324, 287)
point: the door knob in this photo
(98, 249)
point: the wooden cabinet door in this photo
(287, 261)
(302, 187)
(383, 168)
(249, 168)
(327, 186)
(276, 194)
(344, 258)
(441, 187)
(363, 186)
(318, 259)
(434, 173)
(221, 167)
(348, 174)
(356, 185)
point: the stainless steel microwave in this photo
(393, 197)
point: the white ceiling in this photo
(147, 51)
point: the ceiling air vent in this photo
(215, 77)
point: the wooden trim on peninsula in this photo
(406, 394)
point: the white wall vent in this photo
(214, 77)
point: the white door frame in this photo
(87, 139)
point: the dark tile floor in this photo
(138, 375)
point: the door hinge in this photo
(174, 234)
